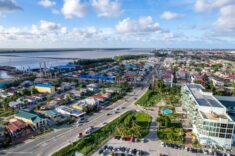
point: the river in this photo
(30, 60)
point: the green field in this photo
(149, 99)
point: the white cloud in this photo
(226, 19)
(107, 8)
(47, 3)
(143, 24)
(47, 32)
(8, 6)
(49, 26)
(55, 11)
(51, 34)
(73, 8)
(145, 29)
(207, 5)
(168, 15)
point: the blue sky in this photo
(117, 23)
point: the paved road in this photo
(51, 142)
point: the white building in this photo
(93, 87)
(69, 111)
(211, 123)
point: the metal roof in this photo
(203, 99)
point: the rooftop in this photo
(203, 98)
(28, 115)
(212, 116)
(51, 113)
(15, 125)
(46, 85)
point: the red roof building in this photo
(99, 98)
(18, 128)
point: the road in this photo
(52, 142)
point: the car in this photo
(89, 130)
(104, 123)
(108, 114)
(116, 112)
(145, 140)
(79, 124)
(205, 152)
(105, 147)
(101, 151)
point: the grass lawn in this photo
(149, 99)
(144, 120)
(89, 144)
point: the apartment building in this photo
(210, 121)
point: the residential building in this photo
(45, 88)
(18, 129)
(53, 115)
(94, 100)
(32, 118)
(69, 111)
(93, 87)
(210, 121)
(14, 104)
(217, 81)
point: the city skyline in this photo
(117, 23)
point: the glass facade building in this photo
(211, 123)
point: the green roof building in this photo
(31, 118)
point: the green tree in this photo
(160, 84)
(233, 89)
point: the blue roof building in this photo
(96, 77)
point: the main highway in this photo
(49, 143)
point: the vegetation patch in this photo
(160, 92)
(149, 99)
(170, 132)
(135, 125)
(90, 143)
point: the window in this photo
(223, 125)
(222, 130)
(228, 136)
(222, 135)
(229, 130)
(230, 125)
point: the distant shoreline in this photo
(42, 50)
(57, 50)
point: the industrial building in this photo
(45, 88)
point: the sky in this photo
(117, 24)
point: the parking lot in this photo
(151, 146)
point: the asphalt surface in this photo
(53, 141)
